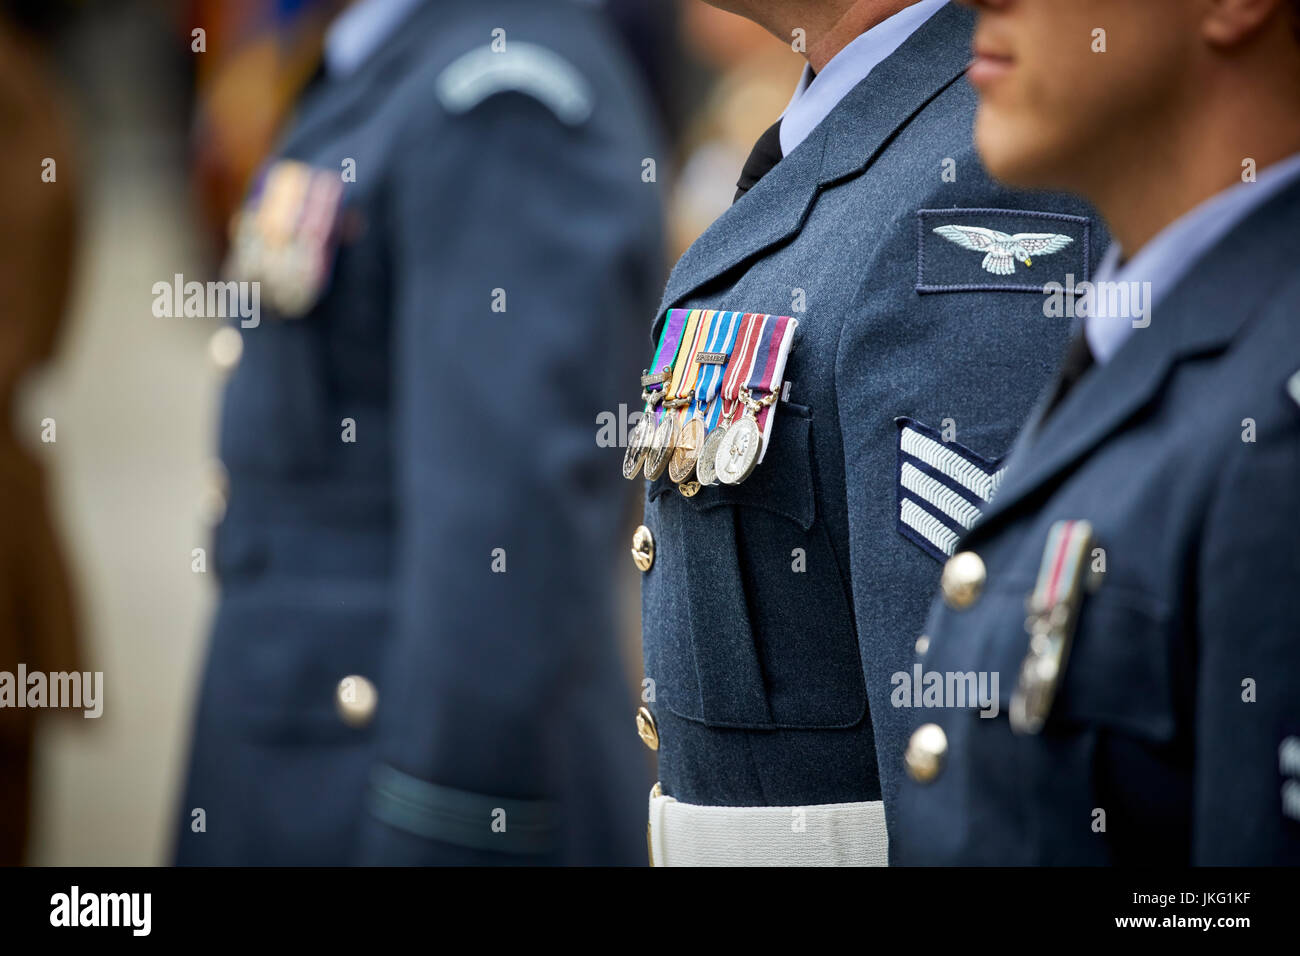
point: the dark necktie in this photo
(765, 154)
(1078, 359)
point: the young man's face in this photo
(1052, 102)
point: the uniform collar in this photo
(360, 30)
(1166, 259)
(818, 94)
(1233, 282)
(852, 136)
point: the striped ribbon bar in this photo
(691, 359)
(714, 354)
(684, 360)
(742, 360)
(670, 340)
(1053, 614)
(775, 335)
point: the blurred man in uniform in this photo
(38, 199)
(1147, 524)
(413, 659)
(779, 609)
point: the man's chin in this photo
(1011, 154)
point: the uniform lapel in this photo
(1227, 287)
(844, 144)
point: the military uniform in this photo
(413, 658)
(1148, 706)
(776, 611)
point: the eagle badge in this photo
(1002, 250)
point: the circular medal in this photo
(682, 465)
(661, 445)
(637, 443)
(705, 471)
(738, 453)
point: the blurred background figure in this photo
(414, 657)
(37, 206)
(168, 138)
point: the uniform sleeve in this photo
(523, 266)
(1247, 775)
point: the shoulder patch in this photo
(1293, 387)
(1000, 250)
(521, 68)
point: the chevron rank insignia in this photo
(526, 68)
(991, 250)
(943, 487)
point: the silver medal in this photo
(738, 453)
(705, 472)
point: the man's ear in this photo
(1228, 23)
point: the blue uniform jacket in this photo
(457, 553)
(777, 610)
(1174, 737)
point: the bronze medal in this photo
(689, 442)
(738, 453)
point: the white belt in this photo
(827, 834)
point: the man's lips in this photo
(988, 67)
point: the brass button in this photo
(225, 347)
(925, 753)
(922, 645)
(356, 699)
(689, 489)
(963, 579)
(646, 728)
(643, 548)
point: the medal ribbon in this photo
(742, 360)
(770, 354)
(320, 211)
(281, 200)
(685, 357)
(670, 340)
(691, 377)
(1059, 573)
(720, 339)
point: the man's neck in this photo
(827, 26)
(1190, 160)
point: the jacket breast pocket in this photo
(747, 621)
(1120, 672)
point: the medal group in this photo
(284, 235)
(710, 396)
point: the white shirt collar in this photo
(360, 30)
(816, 96)
(1167, 258)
